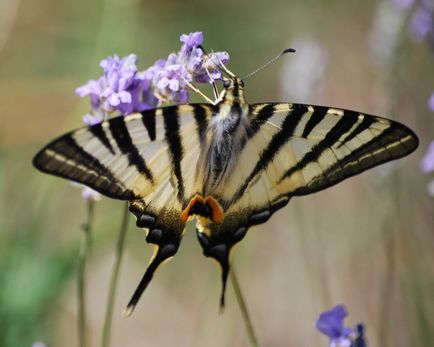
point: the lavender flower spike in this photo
(331, 323)
(431, 102)
(171, 77)
(427, 162)
(118, 89)
(191, 40)
(421, 23)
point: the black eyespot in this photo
(203, 239)
(241, 83)
(226, 83)
(168, 250)
(155, 236)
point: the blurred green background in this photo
(366, 243)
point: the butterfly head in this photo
(234, 90)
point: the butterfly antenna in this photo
(288, 50)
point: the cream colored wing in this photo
(148, 159)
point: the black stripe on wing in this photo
(393, 143)
(317, 116)
(176, 151)
(63, 157)
(149, 122)
(201, 118)
(120, 133)
(343, 125)
(264, 114)
(364, 125)
(98, 131)
(278, 140)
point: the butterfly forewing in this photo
(296, 149)
(130, 157)
(332, 144)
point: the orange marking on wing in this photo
(217, 214)
(186, 213)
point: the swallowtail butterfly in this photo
(229, 165)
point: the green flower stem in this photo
(244, 312)
(106, 333)
(85, 247)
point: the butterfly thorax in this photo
(226, 136)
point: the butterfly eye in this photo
(226, 83)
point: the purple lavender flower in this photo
(171, 83)
(208, 68)
(421, 23)
(431, 102)
(403, 4)
(191, 40)
(172, 76)
(331, 323)
(87, 193)
(119, 89)
(123, 88)
(90, 194)
(92, 119)
(427, 162)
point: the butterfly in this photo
(228, 165)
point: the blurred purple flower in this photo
(427, 162)
(87, 193)
(90, 194)
(431, 102)
(421, 23)
(92, 119)
(331, 323)
(404, 4)
(427, 166)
